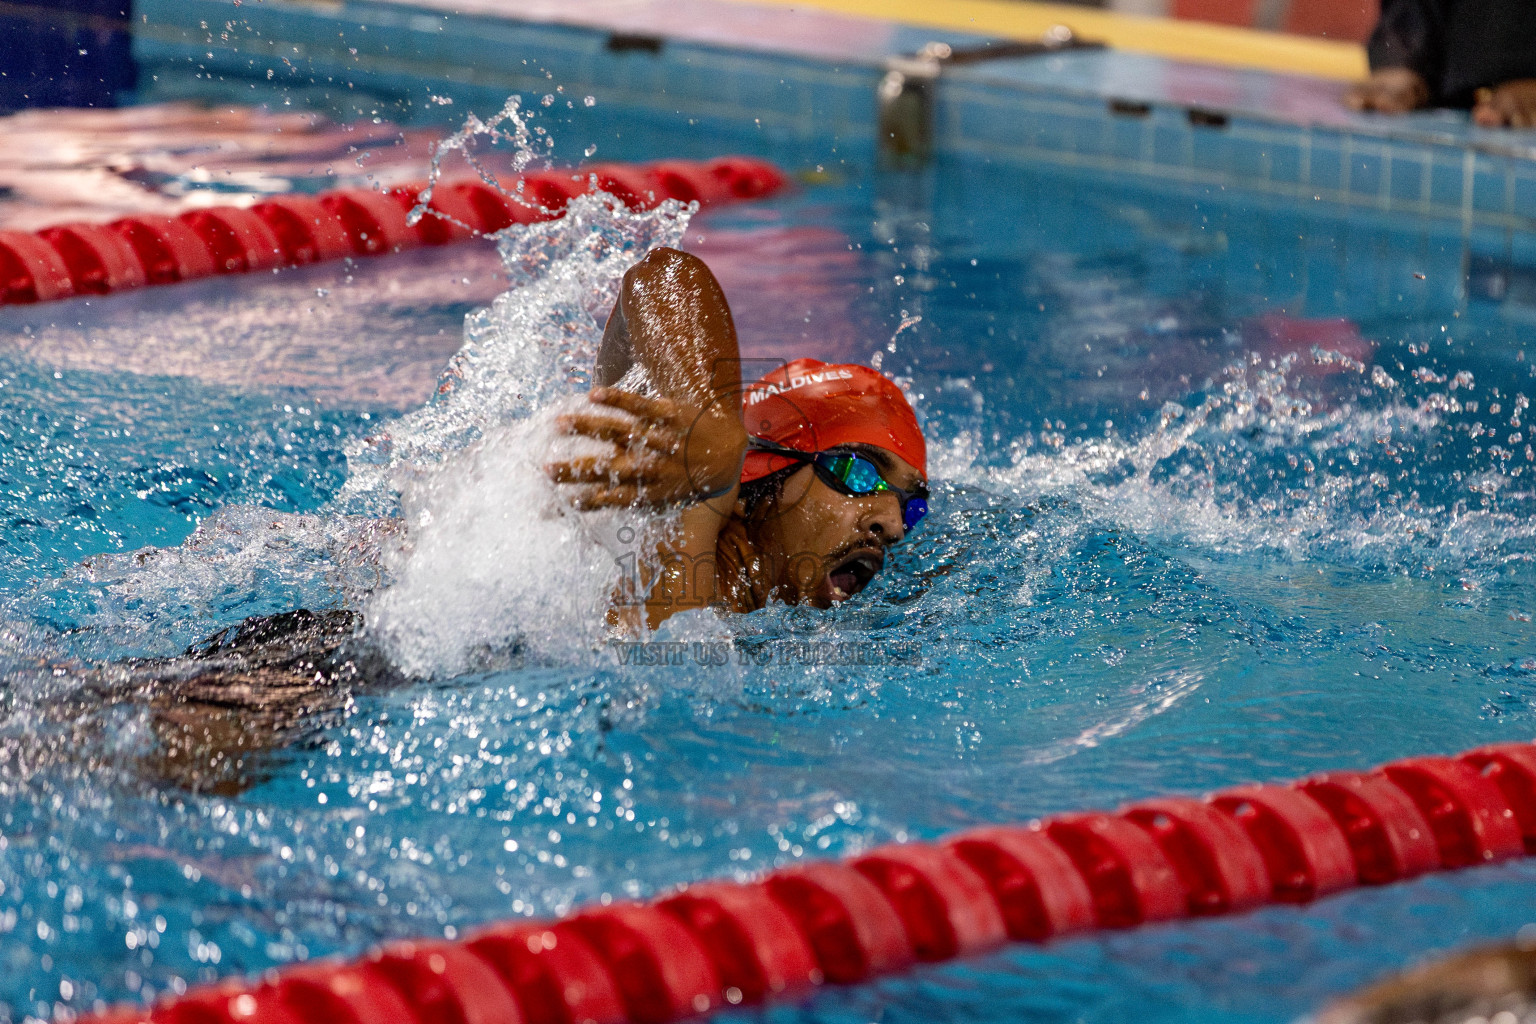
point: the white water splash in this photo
(495, 566)
(508, 125)
(1190, 479)
(242, 560)
(534, 345)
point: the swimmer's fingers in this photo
(623, 434)
(610, 493)
(646, 407)
(1488, 110)
(593, 469)
(1519, 103)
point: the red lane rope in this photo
(724, 943)
(94, 259)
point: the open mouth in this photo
(854, 573)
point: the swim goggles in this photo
(854, 475)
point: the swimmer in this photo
(792, 489)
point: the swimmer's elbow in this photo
(665, 263)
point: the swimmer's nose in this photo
(885, 521)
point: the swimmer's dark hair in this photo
(758, 496)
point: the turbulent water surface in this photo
(1223, 492)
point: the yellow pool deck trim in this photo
(1166, 37)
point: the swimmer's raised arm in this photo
(684, 441)
(680, 446)
(672, 317)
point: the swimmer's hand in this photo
(666, 452)
(1389, 91)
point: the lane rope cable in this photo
(287, 231)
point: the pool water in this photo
(1224, 491)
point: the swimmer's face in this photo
(828, 545)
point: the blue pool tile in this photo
(647, 73)
(1326, 166)
(1525, 192)
(758, 89)
(982, 121)
(1367, 173)
(690, 76)
(1491, 185)
(1209, 150)
(1086, 133)
(1285, 160)
(1051, 131)
(1127, 137)
(1522, 249)
(1446, 178)
(1408, 169)
(1091, 136)
(840, 107)
(1170, 144)
(1248, 158)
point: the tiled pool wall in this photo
(1487, 195)
(1461, 207)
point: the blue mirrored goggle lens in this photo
(862, 476)
(859, 474)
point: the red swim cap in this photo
(812, 406)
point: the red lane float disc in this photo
(945, 906)
(31, 270)
(1304, 850)
(1035, 884)
(849, 924)
(1219, 866)
(752, 942)
(1130, 878)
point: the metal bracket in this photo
(906, 92)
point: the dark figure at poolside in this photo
(789, 490)
(1479, 54)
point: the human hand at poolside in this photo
(665, 451)
(1511, 105)
(1389, 91)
